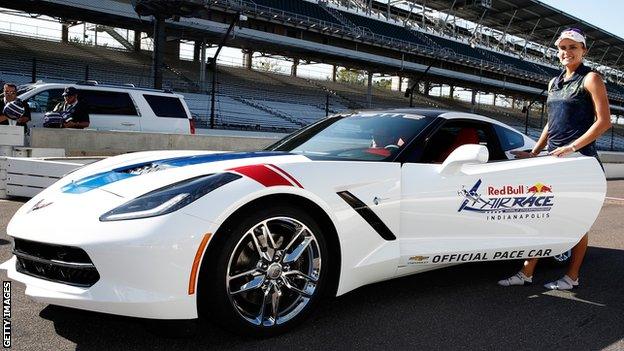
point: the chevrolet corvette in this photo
(254, 240)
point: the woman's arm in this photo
(595, 86)
(541, 142)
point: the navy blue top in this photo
(570, 111)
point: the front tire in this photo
(270, 272)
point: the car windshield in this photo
(363, 136)
(25, 88)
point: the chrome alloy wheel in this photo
(273, 271)
(563, 257)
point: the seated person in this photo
(74, 111)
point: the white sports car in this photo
(256, 239)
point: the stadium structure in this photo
(501, 48)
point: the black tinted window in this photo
(508, 138)
(165, 106)
(107, 102)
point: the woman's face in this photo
(571, 52)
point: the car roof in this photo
(108, 87)
(442, 113)
(427, 112)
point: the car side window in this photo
(454, 134)
(166, 106)
(45, 100)
(107, 102)
(508, 138)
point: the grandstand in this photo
(372, 36)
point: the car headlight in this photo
(170, 198)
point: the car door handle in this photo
(127, 124)
(378, 199)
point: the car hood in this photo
(129, 176)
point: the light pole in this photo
(213, 66)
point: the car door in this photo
(110, 110)
(489, 211)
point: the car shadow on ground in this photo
(458, 307)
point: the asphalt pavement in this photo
(459, 307)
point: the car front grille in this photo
(61, 264)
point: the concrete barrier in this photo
(78, 142)
(613, 164)
(611, 156)
(11, 135)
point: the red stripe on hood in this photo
(291, 178)
(262, 175)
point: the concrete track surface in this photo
(455, 308)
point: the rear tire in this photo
(269, 271)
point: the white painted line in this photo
(571, 296)
(614, 200)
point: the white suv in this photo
(114, 107)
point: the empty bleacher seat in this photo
(303, 8)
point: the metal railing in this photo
(324, 98)
(312, 23)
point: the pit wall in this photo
(77, 142)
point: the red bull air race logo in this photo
(508, 202)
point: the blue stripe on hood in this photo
(101, 179)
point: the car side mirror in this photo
(463, 155)
(34, 106)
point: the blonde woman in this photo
(578, 114)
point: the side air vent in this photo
(369, 216)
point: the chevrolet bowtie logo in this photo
(41, 204)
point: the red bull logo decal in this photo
(506, 190)
(539, 188)
(508, 202)
(518, 189)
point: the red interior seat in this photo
(465, 136)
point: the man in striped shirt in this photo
(12, 108)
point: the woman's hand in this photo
(522, 154)
(562, 151)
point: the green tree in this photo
(350, 76)
(384, 84)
